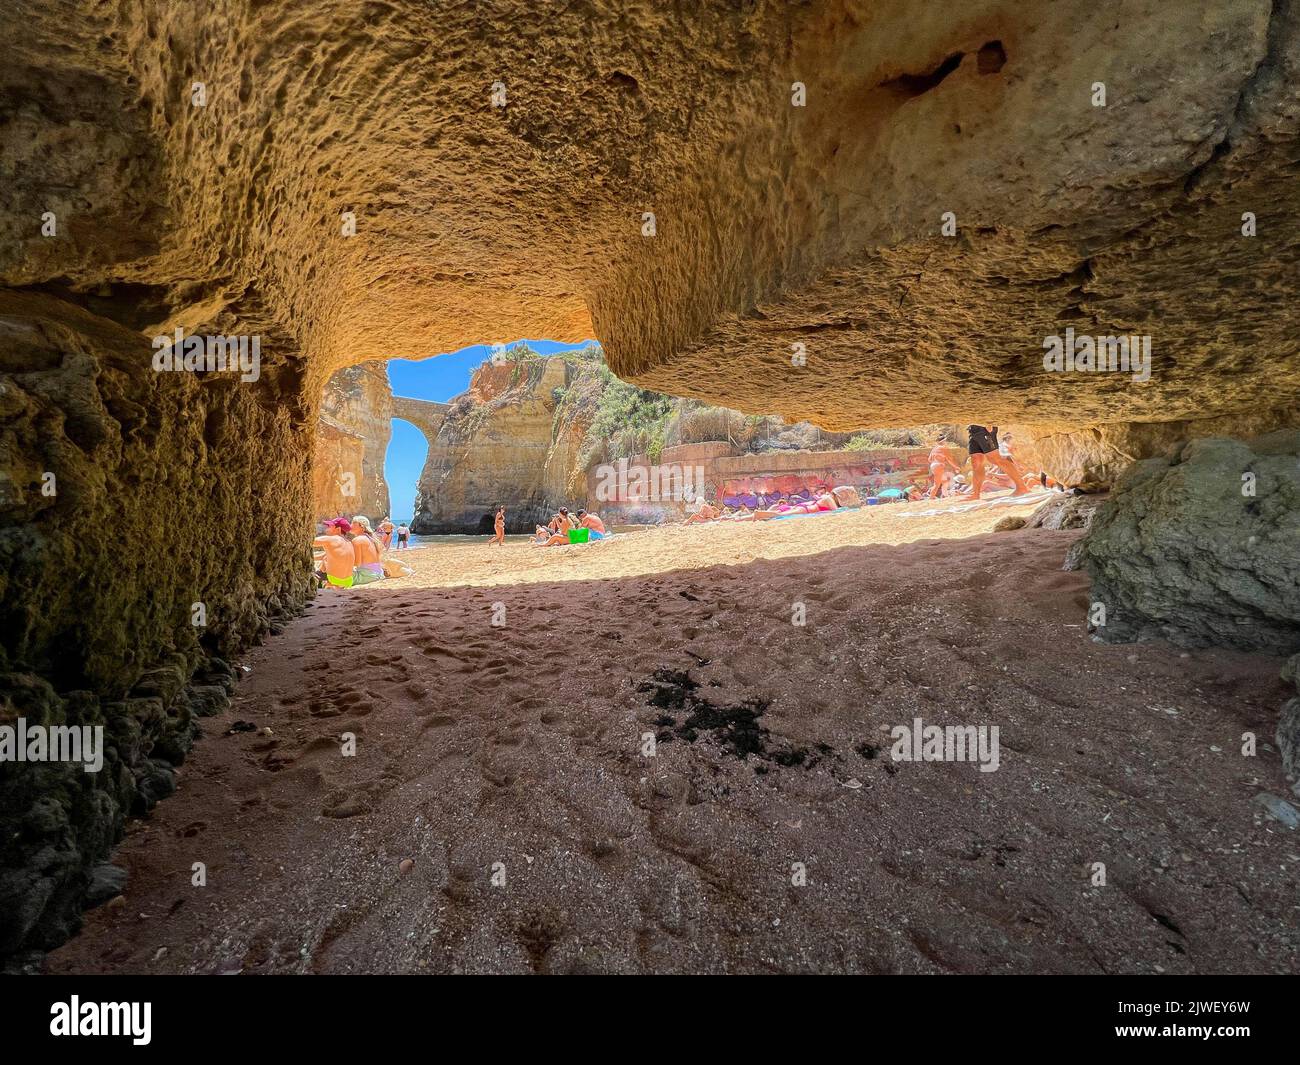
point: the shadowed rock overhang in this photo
(774, 224)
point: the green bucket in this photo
(579, 536)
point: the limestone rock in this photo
(1010, 523)
(1065, 511)
(356, 423)
(1203, 548)
(1288, 726)
(106, 882)
(498, 444)
(1092, 458)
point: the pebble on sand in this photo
(405, 865)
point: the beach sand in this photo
(500, 815)
(700, 546)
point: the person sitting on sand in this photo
(827, 501)
(559, 529)
(340, 558)
(983, 445)
(365, 548)
(499, 528)
(942, 468)
(704, 512)
(592, 522)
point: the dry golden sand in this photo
(686, 547)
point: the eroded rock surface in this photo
(1288, 726)
(1203, 549)
(356, 423)
(498, 444)
(121, 497)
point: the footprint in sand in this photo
(343, 805)
(319, 709)
(322, 749)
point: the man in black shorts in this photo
(983, 444)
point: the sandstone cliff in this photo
(498, 444)
(356, 422)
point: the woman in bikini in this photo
(828, 500)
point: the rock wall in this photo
(1202, 548)
(498, 444)
(1093, 458)
(338, 456)
(638, 490)
(357, 402)
(152, 524)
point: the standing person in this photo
(403, 536)
(499, 536)
(984, 445)
(942, 468)
(365, 549)
(340, 559)
(386, 533)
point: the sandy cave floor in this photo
(519, 745)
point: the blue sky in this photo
(438, 379)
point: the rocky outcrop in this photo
(153, 525)
(424, 414)
(1288, 725)
(1065, 511)
(1001, 184)
(1091, 459)
(1203, 548)
(356, 423)
(497, 445)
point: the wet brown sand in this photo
(519, 745)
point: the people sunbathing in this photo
(704, 511)
(351, 554)
(365, 548)
(340, 558)
(827, 501)
(557, 531)
(592, 522)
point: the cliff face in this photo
(498, 444)
(356, 422)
